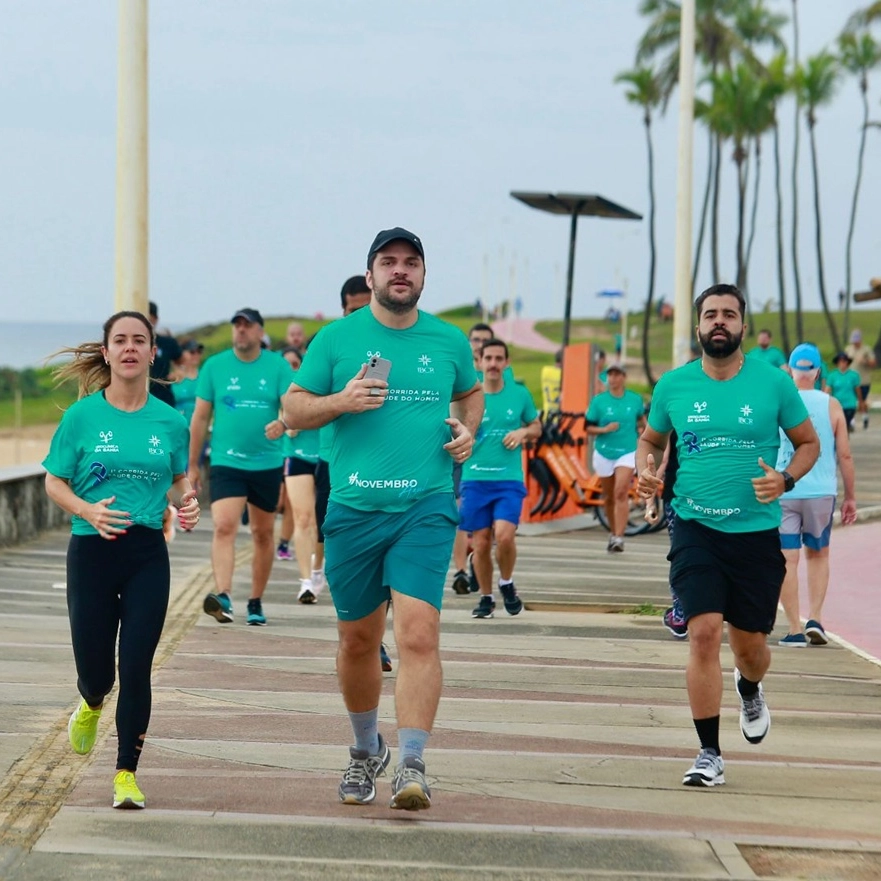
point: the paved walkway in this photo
(558, 752)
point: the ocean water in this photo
(29, 343)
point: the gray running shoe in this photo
(358, 786)
(707, 770)
(755, 717)
(410, 792)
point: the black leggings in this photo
(118, 585)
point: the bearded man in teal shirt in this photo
(725, 559)
(392, 516)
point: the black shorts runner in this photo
(738, 574)
(260, 488)
(294, 466)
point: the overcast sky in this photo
(284, 134)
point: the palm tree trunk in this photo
(821, 283)
(753, 213)
(703, 224)
(848, 263)
(781, 270)
(714, 226)
(799, 320)
(646, 321)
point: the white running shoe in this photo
(755, 717)
(707, 770)
(306, 596)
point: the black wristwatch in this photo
(788, 481)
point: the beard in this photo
(398, 305)
(720, 348)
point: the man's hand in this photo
(273, 430)
(648, 483)
(514, 439)
(462, 444)
(612, 426)
(361, 395)
(848, 512)
(769, 486)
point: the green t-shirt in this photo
(772, 355)
(185, 397)
(722, 428)
(389, 458)
(843, 387)
(504, 411)
(303, 445)
(605, 408)
(102, 451)
(246, 395)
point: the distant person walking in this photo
(295, 338)
(184, 374)
(863, 361)
(391, 518)
(808, 508)
(167, 351)
(615, 418)
(241, 390)
(843, 384)
(764, 351)
(492, 480)
(117, 459)
(725, 559)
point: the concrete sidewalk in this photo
(559, 748)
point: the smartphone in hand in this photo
(378, 368)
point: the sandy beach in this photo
(28, 446)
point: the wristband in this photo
(284, 424)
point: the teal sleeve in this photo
(205, 382)
(659, 418)
(316, 372)
(466, 375)
(61, 460)
(180, 455)
(529, 412)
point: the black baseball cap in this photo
(251, 315)
(193, 346)
(385, 236)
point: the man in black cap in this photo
(241, 389)
(167, 350)
(392, 516)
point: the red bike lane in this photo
(852, 609)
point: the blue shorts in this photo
(368, 553)
(485, 501)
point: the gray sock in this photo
(411, 742)
(365, 726)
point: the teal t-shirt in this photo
(389, 458)
(504, 411)
(245, 396)
(772, 355)
(722, 428)
(843, 387)
(604, 409)
(303, 445)
(185, 397)
(102, 451)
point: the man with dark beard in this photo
(392, 516)
(725, 558)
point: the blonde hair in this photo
(87, 366)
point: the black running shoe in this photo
(513, 603)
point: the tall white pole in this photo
(132, 218)
(682, 326)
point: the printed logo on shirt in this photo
(106, 446)
(406, 487)
(425, 361)
(233, 384)
(746, 413)
(699, 415)
(99, 472)
(692, 444)
(155, 448)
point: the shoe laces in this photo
(706, 759)
(753, 706)
(408, 774)
(361, 770)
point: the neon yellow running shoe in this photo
(125, 791)
(82, 729)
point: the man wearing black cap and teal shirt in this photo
(392, 516)
(241, 389)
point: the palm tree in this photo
(862, 18)
(859, 53)
(796, 274)
(816, 82)
(645, 91)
